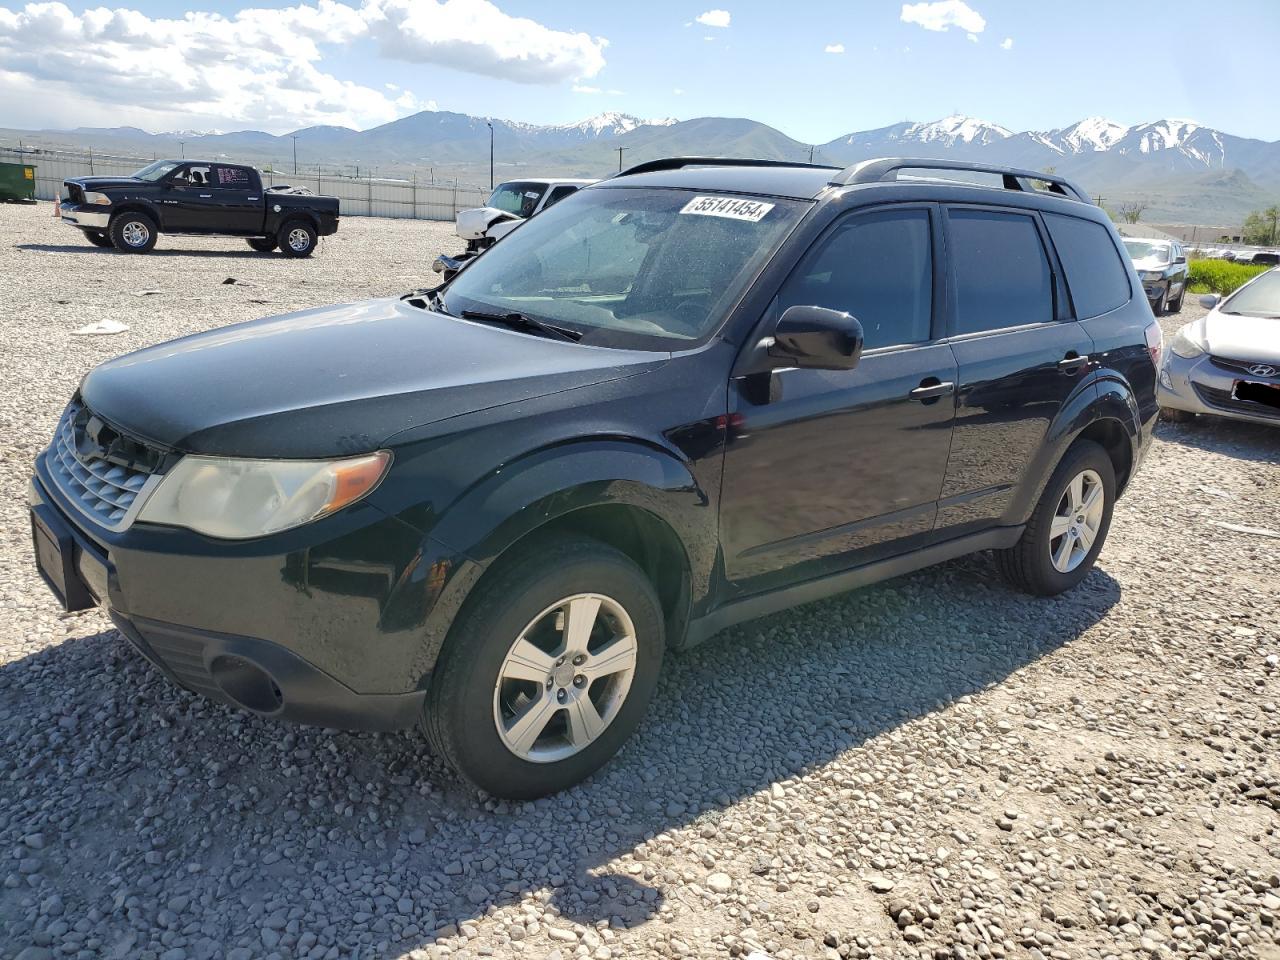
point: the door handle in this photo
(1073, 362)
(931, 391)
(206, 196)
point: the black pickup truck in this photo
(197, 197)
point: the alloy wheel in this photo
(565, 678)
(135, 233)
(1076, 521)
(299, 239)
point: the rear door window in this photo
(231, 178)
(1097, 277)
(1001, 272)
(877, 267)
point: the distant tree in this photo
(1131, 212)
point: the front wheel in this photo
(132, 232)
(1068, 527)
(98, 238)
(263, 244)
(297, 239)
(548, 670)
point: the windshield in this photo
(640, 268)
(1258, 299)
(154, 171)
(517, 197)
(1144, 249)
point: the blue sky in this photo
(1019, 63)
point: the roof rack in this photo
(678, 163)
(886, 171)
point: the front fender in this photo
(514, 501)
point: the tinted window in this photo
(1001, 272)
(559, 193)
(1096, 275)
(878, 268)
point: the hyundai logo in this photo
(1262, 370)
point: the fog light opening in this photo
(247, 684)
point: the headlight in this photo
(99, 198)
(1151, 274)
(1187, 344)
(240, 499)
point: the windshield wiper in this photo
(522, 321)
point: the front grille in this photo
(107, 491)
(1242, 366)
(74, 192)
(1223, 400)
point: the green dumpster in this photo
(17, 182)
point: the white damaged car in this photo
(1227, 363)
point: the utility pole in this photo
(490, 123)
(182, 149)
(295, 154)
(620, 149)
(811, 153)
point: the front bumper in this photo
(1204, 385)
(326, 628)
(86, 216)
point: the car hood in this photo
(1150, 263)
(99, 183)
(1243, 338)
(335, 380)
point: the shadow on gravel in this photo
(181, 821)
(1254, 442)
(159, 252)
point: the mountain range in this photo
(1184, 172)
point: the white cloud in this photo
(477, 37)
(257, 67)
(1006, 43)
(833, 48)
(714, 18)
(583, 88)
(678, 92)
(971, 37)
(943, 15)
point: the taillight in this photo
(1155, 341)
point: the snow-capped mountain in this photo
(956, 129)
(1089, 134)
(608, 124)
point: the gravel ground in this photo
(932, 767)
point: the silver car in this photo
(1227, 363)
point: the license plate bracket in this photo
(1267, 394)
(55, 551)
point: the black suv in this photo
(693, 394)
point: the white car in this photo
(510, 204)
(1227, 363)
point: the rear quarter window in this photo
(1096, 276)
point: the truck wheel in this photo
(548, 670)
(297, 239)
(98, 238)
(132, 232)
(1066, 532)
(263, 244)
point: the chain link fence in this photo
(437, 199)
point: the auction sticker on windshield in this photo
(734, 208)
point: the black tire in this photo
(1176, 306)
(459, 716)
(98, 238)
(297, 238)
(1028, 564)
(263, 244)
(1176, 416)
(1162, 305)
(126, 228)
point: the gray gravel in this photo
(933, 767)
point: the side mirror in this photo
(1210, 300)
(816, 338)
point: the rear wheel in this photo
(548, 671)
(98, 238)
(132, 232)
(263, 244)
(297, 239)
(1070, 523)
